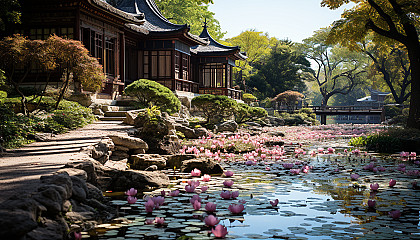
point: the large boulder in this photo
(129, 142)
(188, 132)
(201, 132)
(84, 99)
(141, 180)
(275, 121)
(130, 116)
(206, 165)
(176, 160)
(100, 151)
(143, 161)
(228, 126)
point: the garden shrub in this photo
(151, 93)
(248, 98)
(214, 107)
(72, 115)
(14, 129)
(3, 95)
(244, 113)
(302, 116)
(390, 141)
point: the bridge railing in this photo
(344, 108)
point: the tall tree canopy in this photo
(338, 70)
(393, 19)
(283, 69)
(9, 13)
(257, 46)
(192, 12)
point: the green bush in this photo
(244, 113)
(72, 115)
(3, 95)
(150, 93)
(214, 107)
(392, 111)
(14, 129)
(303, 116)
(248, 98)
(390, 141)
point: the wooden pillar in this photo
(122, 67)
(383, 115)
(323, 119)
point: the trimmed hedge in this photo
(214, 107)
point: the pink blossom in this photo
(321, 150)
(174, 193)
(149, 221)
(267, 168)
(195, 198)
(149, 205)
(274, 203)
(159, 221)
(331, 150)
(211, 221)
(196, 205)
(395, 214)
(220, 231)
(204, 188)
(236, 208)
(235, 194)
(374, 186)
(206, 178)
(77, 236)
(163, 193)
(189, 188)
(288, 165)
(226, 194)
(392, 182)
(193, 183)
(131, 200)
(228, 183)
(210, 207)
(159, 200)
(371, 203)
(294, 171)
(132, 192)
(196, 172)
(354, 176)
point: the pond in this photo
(324, 203)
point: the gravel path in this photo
(21, 169)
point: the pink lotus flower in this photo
(236, 208)
(404, 154)
(395, 214)
(149, 205)
(162, 193)
(149, 221)
(331, 150)
(77, 236)
(195, 198)
(228, 183)
(131, 200)
(210, 207)
(204, 188)
(159, 200)
(288, 165)
(294, 171)
(250, 162)
(220, 231)
(189, 188)
(206, 178)
(228, 173)
(392, 182)
(235, 194)
(196, 205)
(354, 176)
(226, 194)
(174, 193)
(193, 183)
(374, 186)
(211, 220)
(159, 221)
(196, 172)
(274, 203)
(371, 203)
(321, 150)
(132, 192)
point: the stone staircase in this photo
(116, 111)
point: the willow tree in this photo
(393, 19)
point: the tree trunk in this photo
(414, 115)
(63, 90)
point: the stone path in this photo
(21, 169)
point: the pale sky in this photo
(284, 19)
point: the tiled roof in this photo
(138, 18)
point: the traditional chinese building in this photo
(134, 41)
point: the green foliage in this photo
(9, 13)
(214, 107)
(72, 115)
(244, 113)
(14, 129)
(283, 69)
(304, 116)
(193, 13)
(390, 141)
(249, 98)
(392, 111)
(3, 95)
(150, 93)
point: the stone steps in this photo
(114, 119)
(115, 114)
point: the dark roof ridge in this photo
(156, 10)
(205, 34)
(106, 6)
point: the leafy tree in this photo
(152, 93)
(18, 56)
(338, 70)
(193, 13)
(76, 63)
(396, 20)
(290, 98)
(391, 64)
(214, 107)
(244, 113)
(257, 46)
(283, 69)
